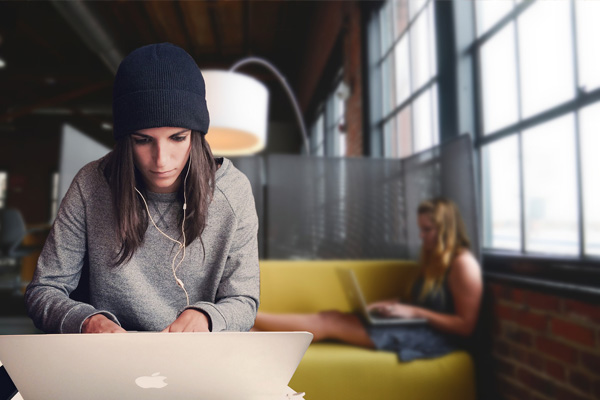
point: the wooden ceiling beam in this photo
(190, 45)
(54, 101)
(214, 27)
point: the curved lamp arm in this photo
(272, 68)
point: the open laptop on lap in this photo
(157, 366)
(358, 303)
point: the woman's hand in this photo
(99, 323)
(380, 305)
(189, 321)
(397, 310)
(393, 308)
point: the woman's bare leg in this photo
(324, 325)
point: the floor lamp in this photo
(238, 105)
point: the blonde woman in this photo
(447, 294)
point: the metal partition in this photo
(356, 208)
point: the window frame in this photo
(576, 276)
(573, 106)
(375, 58)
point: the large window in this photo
(403, 78)
(328, 132)
(539, 126)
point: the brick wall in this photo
(544, 346)
(353, 78)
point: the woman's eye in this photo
(179, 138)
(141, 140)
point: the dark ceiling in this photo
(60, 56)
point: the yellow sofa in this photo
(331, 371)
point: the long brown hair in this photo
(130, 213)
(451, 239)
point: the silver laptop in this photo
(151, 365)
(358, 303)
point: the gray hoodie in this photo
(142, 294)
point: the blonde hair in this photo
(451, 239)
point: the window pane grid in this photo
(408, 74)
(556, 217)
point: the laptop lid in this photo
(359, 304)
(151, 365)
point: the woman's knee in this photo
(331, 322)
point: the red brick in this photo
(536, 397)
(537, 322)
(543, 301)
(504, 312)
(555, 370)
(567, 394)
(520, 337)
(583, 309)
(522, 317)
(556, 349)
(505, 368)
(528, 358)
(499, 291)
(573, 332)
(535, 361)
(519, 296)
(581, 382)
(501, 348)
(496, 328)
(597, 389)
(537, 383)
(591, 362)
(508, 389)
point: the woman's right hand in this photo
(383, 304)
(98, 323)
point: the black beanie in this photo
(158, 85)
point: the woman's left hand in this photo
(397, 310)
(189, 321)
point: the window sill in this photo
(570, 277)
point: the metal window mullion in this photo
(520, 141)
(409, 24)
(375, 84)
(503, 22)
(578, 160)
(397, 109)
(484, 184)
(582, 100)
(431, 100)
(410, 85)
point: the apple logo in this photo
(156, 381)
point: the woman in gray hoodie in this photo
(161, 234)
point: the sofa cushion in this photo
(331, 371)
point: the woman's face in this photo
(161, 154)
(428, 231)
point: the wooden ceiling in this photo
(61, 56)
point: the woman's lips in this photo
(162, 173)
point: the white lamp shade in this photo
(238, 107)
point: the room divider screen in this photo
(356, 208)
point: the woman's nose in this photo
(160, 154)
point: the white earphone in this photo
(181, 245)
